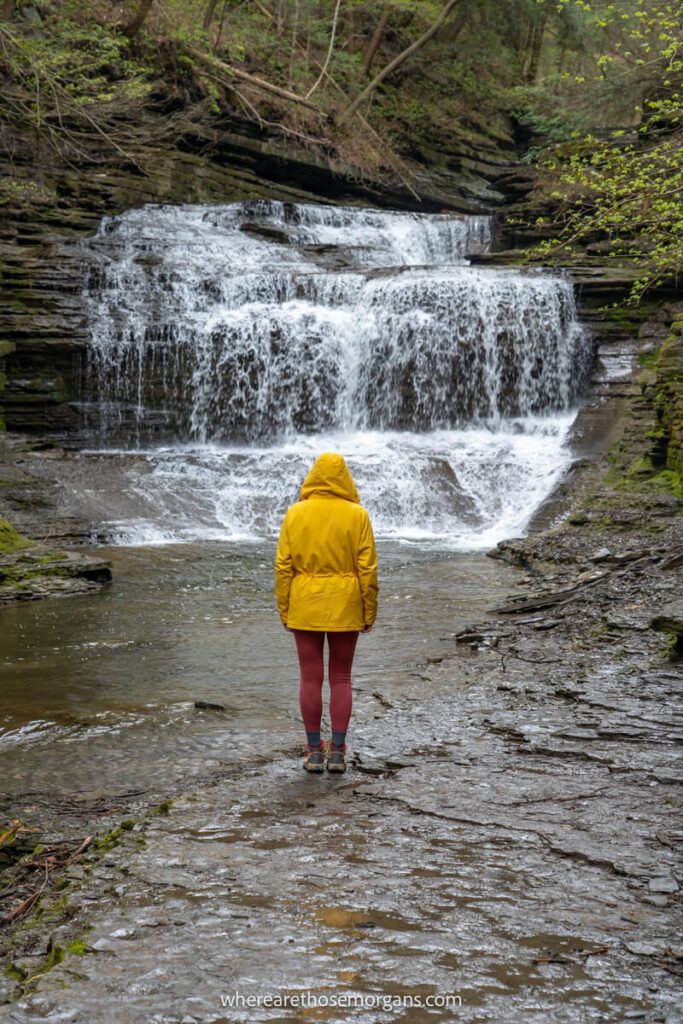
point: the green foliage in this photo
(624, 185)
(539, 110)
(87, 65)
(24, 193)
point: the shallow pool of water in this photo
(99, 691)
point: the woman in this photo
(326, 583)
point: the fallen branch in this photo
(24, 907)
(559, 799)
(275, 125)
(230, 71)
(392, 158)
(538, 601)
(529, 661)
(46, 863)
(16, 828)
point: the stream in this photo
(99, 690)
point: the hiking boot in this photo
(314, 761)
(336, 760)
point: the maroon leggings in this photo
(309, 647)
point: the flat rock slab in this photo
(32, 573)
(670, 618)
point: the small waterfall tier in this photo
(266, 328)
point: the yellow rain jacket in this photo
(326, 562)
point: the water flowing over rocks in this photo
(228, 344)
(244, 338)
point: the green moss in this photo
(648, 360)
(667, 481)
(625, 318)
(163, 808)
(51, 908)
(53, 958)
(642, 477)
(15, 972)
(109, 840)
(641, 467)
(10, 540)
(77, 947)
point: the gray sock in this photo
(338, 740)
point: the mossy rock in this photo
(669, 400)
(10, 540)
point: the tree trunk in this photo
(209, 13)
(134, 26)
(402, 57)
(292, 52)
(374, 44)
(221, 25)
(535, 49)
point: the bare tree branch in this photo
(325, 66)
(401, 58)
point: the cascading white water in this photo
(245, 339)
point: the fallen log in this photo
(230, 71)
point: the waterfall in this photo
(233, 343)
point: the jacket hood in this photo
(330, 475)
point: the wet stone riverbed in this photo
(508, 835)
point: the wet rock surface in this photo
(34, 496)
(34, 517)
